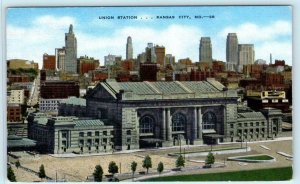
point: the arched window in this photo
(178, 122)
(209, 120)
(146, 124)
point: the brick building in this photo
(14, 112)
(148, 71)
(201, 75)
(18, 78)
(53, 93)
(49, 62)
(59, 89)
(86, 64)
(160, 52)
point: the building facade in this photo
(205, 50)
(246, 55)
(232, 51)
(133, 115)
(49, 62)
(70, 134)
(86, 64)
(160, 52)
(71, 51)
(60, 55)
(53, 93)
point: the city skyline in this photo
(45, 29)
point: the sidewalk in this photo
(70, 155)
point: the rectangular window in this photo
(97, 133)
(128, 140)
(111, 132)
(104, 132)
(257, 123)
(231, 125)
(81, 134)
(81, 142)
(64, 135)
(64, 143)
(104, 140)
(89, 134)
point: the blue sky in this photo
(31, 32)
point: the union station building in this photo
(160, 114)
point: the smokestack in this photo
(270, 58)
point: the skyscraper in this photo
(60, 55)
(150, 53)
(71, 51)
(232, 51)
(129, 49)
(160, 52)
(246, 55)
(205, 50)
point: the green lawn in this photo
(275, 174)
(258, 157)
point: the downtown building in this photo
(52, 93)
(49, 62)
(205, 50)
(246, 55)
(156, 114)
(129, 48)
(232, 52)
(70, 60)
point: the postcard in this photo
(149, 93)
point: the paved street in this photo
(78, 168)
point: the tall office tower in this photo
(129, 49)
(71, 51)
(150, 53)
(232, 51)
(246, 55)
(205, 50)
(160, 52)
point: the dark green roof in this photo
(16, 141)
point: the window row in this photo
(97, 133)
(251, 124)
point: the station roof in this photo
(14, 141)
(252, 115)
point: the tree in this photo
(210, 159)
(98, 173)
(113, 168)
(133, 168)
(11, 175)
(147, 163)
(180, 162)
(42, 173)
(160, 167)
(18, 164)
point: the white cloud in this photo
(44, 35)
(47, 33)
(181, 41)
(279, 50)
(250, 32)
(266, 39)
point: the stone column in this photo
(199, 123)
(195, 130)
(163, 131)
(169, 125)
